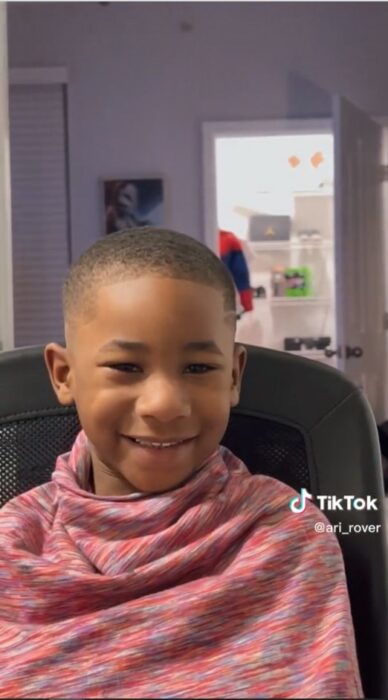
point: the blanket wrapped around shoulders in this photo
(215, 590)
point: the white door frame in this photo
(383, 121)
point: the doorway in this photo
(275, 192)
(305, 199)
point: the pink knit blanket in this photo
(213, 590)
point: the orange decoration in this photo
(294, 161)
(317, 159)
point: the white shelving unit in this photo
(276, 171)
(276, 246)
(310, 354)
(305, 316)
(299, 301)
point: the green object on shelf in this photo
(298, 281)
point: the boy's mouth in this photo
(154, 444)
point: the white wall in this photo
(6, 295)
(140, 87)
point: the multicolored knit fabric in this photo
(214, 590)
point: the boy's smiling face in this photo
(155, 362)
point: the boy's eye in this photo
(129, 367)
(125, 367)
(198, 368)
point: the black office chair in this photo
(297, 420)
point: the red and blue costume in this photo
(232, 256)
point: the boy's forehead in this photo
(133, 301)
(167, 292)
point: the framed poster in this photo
(132, 203)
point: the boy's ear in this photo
(56, 359)
(239, 363)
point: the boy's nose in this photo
(164, 400)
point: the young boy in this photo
(153, 564)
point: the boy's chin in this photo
(160, 486)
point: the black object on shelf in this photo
(296, 343)
(259, 292)
(309, 343)
(323, 342)
(292, 343)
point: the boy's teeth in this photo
(157, 444)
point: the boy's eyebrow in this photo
(205, 345)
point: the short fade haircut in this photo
(133, 252)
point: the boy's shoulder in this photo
(36, 501)
(268, 488)
(276, 495)
(285, 512)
